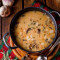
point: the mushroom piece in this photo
(38, 31)
(8, 2)
(28, 30)
(4, 11)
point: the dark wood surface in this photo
(5, 22)
(53, 4)
(0, 22)
(0, 27)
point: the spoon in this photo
(43, 57)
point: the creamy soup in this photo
(34, 31)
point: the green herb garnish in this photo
(44, 14)
(43, 28)
(39, 24)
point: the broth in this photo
(34, 31)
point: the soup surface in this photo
(34, 31)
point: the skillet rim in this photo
(52, 18)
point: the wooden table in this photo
(5, 22)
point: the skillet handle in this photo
(22, 4)
(6, 43)
(57, 14)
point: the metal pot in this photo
(14, 20)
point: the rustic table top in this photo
(5, 22)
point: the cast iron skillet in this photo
(14, 21)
